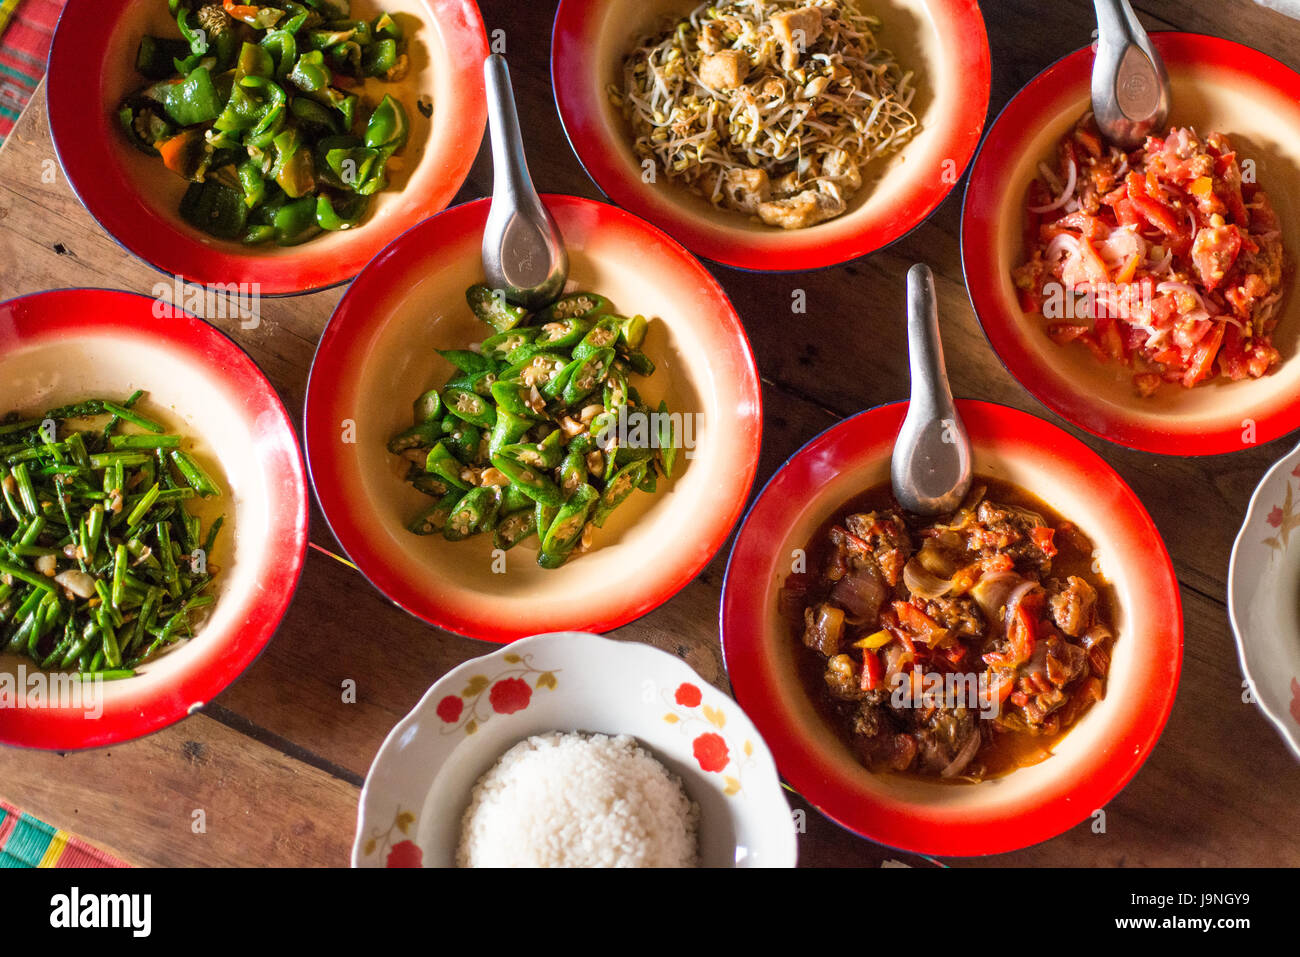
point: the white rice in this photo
(573, 800)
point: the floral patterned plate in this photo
(420, 782)
(1264, 596)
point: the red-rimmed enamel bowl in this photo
(1217, 86)
(942, 41)
(72, 344)
(377, 355)
(136, 200)
(1088, 766)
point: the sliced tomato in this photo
(1214, 252)
(1203, 359)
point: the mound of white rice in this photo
(573, 800)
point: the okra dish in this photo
(958, 648)
(103, 562)
(541, 433)
(257, 105)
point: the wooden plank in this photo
(196, 794)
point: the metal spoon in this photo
(1130, 88)
(931, 467)
(523, 252)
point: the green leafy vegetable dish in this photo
(103, 565)
(541, 433)
(251, 103)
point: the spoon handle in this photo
(1128, 72)
(511, 180)
(931, 395)
(931, 465)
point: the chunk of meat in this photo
(1072, 605)
(1006, 530)
(746, 188)
(796, 31)
(724, 70)
(823, 628)
(947, 739)
(880, 538)
(844, 679)
(806, 208)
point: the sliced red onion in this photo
(860, 593)
(1061, 242)
(964, 756)
(1071, 181)
(922, 582)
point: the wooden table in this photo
(277, 761)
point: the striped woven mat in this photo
(28, 842)
(26, 28)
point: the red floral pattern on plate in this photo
(710, 748)
(508, 691)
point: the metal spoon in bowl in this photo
(1130, 88)
(523, 252)
(931, 467)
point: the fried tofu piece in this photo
(724, 70)
(796, 31)
(713, 37)
(807, 208)
(746, 188)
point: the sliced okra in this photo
(640, 363)
(429, 484)
(615, 395)
(434, 518)
(545, 516)
(428, 407)
(618, 489)
(575, 305)
(542, 456)
(513, 500)
(667, 440)
(509, 428)
(500, 346)
(421, 436)
(573, 472)
(590, 374)
(469, 362)
(468, 514)
(490, 306)
(464, 442)
(602, 335)
(533, 482)
(514, 528)
(632, 333)
(562, 333)
(517, 399)
(442, 463)
(537, 369)
(469, 406)
(566, 529)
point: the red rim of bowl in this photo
(825, 780)
(980, 210)
(333, 355)
(802, 249)
(74, 76)
(68, 312)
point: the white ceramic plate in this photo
(1264, 596)
(419, 786)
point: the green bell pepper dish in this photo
(538, 434)
(259, 106)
